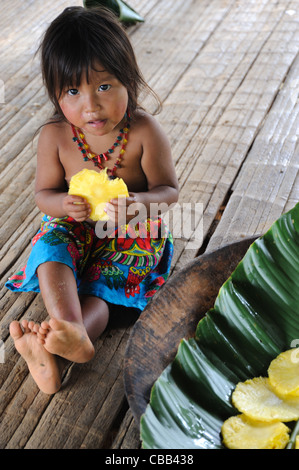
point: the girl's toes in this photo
(15, 330)
(25, 326)
(35, 328)
(45, 326)
(42, 331)
(40, 339)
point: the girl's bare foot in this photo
(66, 339)
(41, 363)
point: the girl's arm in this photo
(50, 187)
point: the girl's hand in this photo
(122, 210)
(76, 207)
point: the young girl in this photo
(92, 78)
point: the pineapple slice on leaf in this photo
(283, 373)
(257, 400)
(240, 432)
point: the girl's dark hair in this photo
(76, 41)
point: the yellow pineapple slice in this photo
(283, 373)
(240, 432)
(297, 442)
(256, 399)
(97, 189)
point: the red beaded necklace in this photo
(84, 148)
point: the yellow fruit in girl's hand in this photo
(283, 373)
(97, 189)
(240, 432)
(257, 400)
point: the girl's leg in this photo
(65, 333)
(75, 323)
(95, 313)
(59, 291)
(69, 333)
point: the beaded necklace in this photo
(84, 148)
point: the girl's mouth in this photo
(97, 123)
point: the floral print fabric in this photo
(126, 268)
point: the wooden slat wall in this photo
(268, 183)
(227, 74)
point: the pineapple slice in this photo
(283, 373)
(97, 189)
(256, 399)
(297, 442)
(240, 432)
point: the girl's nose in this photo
(92, 103)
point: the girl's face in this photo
(97, 106)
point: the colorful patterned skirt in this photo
(125, 268)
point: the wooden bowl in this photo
(171, 315)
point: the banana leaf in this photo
(254, 318)
(125, 13)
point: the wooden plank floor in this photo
(227, 72)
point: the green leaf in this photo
(254, 318)
(125, 13)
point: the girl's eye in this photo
(73, 91)
(104, 87)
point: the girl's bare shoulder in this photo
(53, 130)
(150, 134)
(52, 139)
(145, 123)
